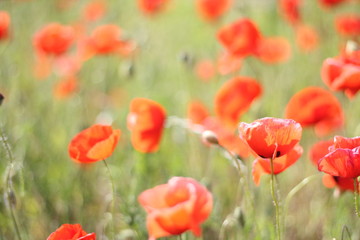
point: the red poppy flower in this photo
(71, 232)
(152, 6)
(341, 163)
(240, 38)
(197, 112)
(178, 206)
(54, 39)
(342, 73)
(228, 63)
(212, 9)
(205, 70)
(94, 10)
(146, 122)
(307, 37)
(290, 10)
(271, 137)
(274, 50)
(106, 39)
(94, 144)
(348, 25)
(4, 24)
(319, 150)
(331, 3)
(262, 166)
(234, 98)
(66, 87)
(314, 106)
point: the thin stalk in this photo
(10, 190)
(112, 198)
(356, 194)
(275, 200)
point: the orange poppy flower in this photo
(314, 106)
(54, 39)
(4, 24)
(205, 70)
(307, 38)
(94, 144)
(226, 137)
(228, 63)
(71, 232)
(106, 39)
(262, 166)
(213, 9)
(178, 206)
(319, 150)
(348, 25)
(152, 6)
(341, 162)
(290, 10)
(234, 98)
(271, 137)
(197, 112)
(331, 3)
(342, 73)
(94, 10)
(274, 50)
(240, 38)
(66, 87)
(146, 122)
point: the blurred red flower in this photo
(197, 112)
(54, 39)
(262, 166)
(4, 24)
(290, 10)
(152, 6)
(178, 206)
(271, 137)
(94, 10)
(94, 144)
(234, 98)
(107, 39)
(314, 106)
(342, 73)
(307, 38)
(273, 50)
(146, 122)
(71, 232)
(348, 25)
(66, 87)
(205, 70)
(213, 9)
(331, 3)
(319, 150)
(240, 38)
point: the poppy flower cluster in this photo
(146, 123)
(71, 232)
(178, 206)
(342, 73)
(314, 106)
(272, 138)
(4, 25)
(94, 144)
(242, 38)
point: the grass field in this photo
(48, 189)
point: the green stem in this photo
(112, 198)
(9, 183)
(356, 194)
(275, 200)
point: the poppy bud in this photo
(209, 137)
